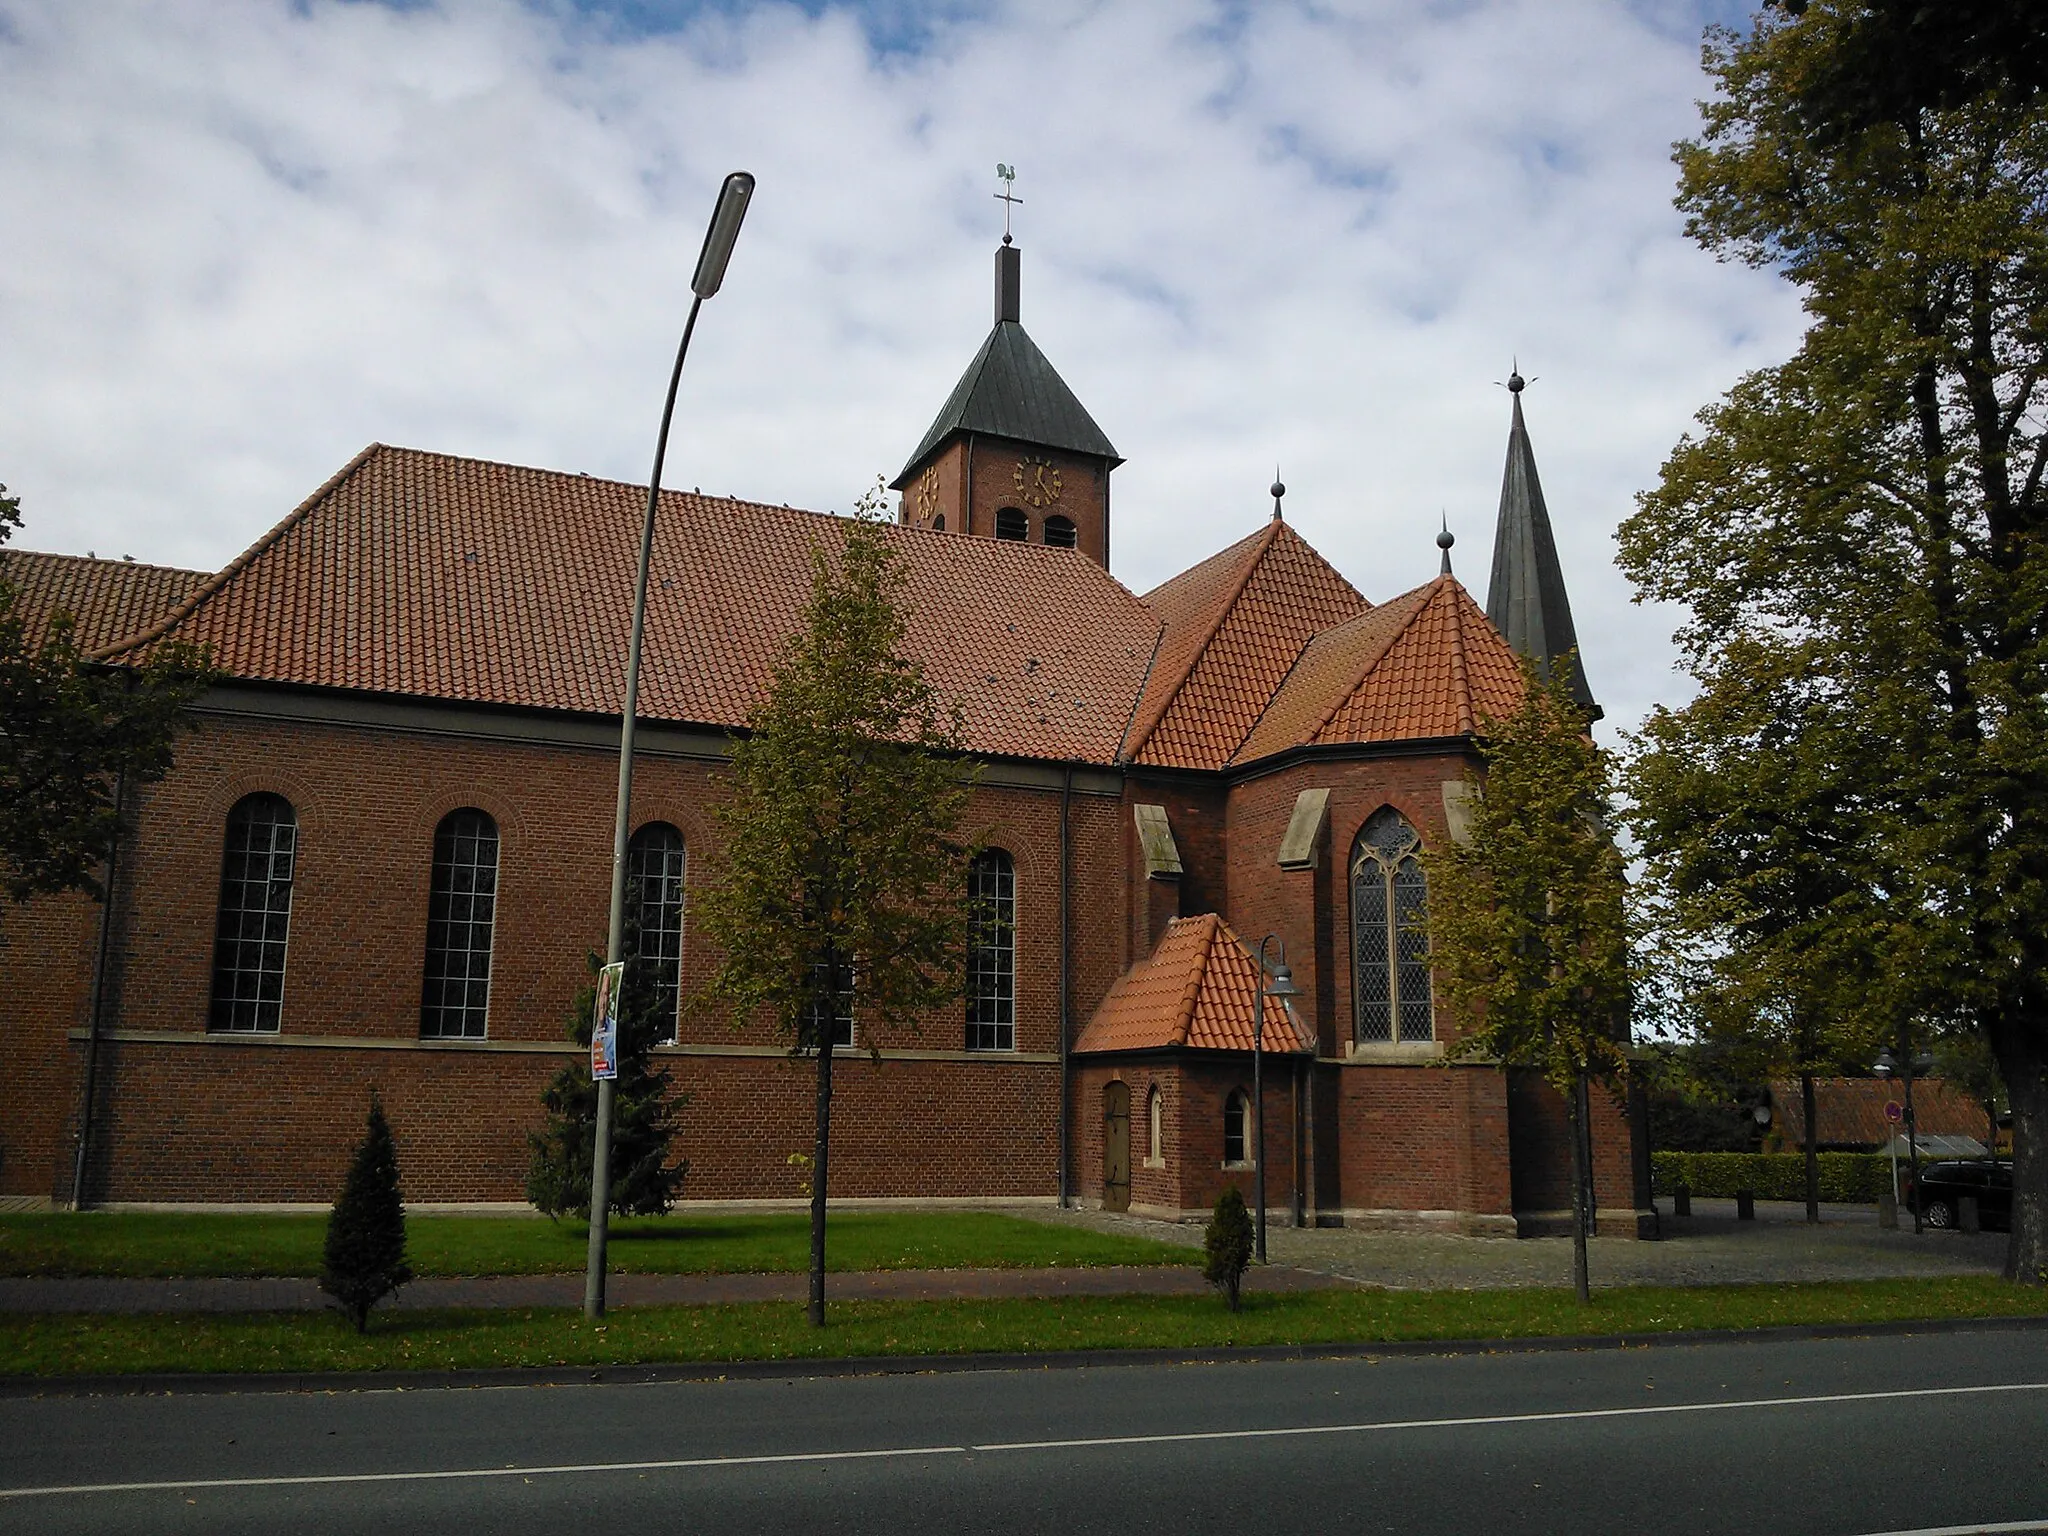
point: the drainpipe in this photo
(1065, 982)
(97, 998)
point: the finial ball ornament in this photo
(1446, 539)
(1279, 490)
(1515, 382)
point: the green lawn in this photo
(57, 1344)
(135, 1244)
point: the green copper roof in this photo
(1010, 390)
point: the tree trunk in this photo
(2025, 1067)
(821, 1147)
(1812, 1139)
(1580, 1281)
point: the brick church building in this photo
(383, 851)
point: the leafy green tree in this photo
(1764, 909)
(365, 1254)
(644, 1110)
(1227, 1245)
(1527, 932)
(75, 737)
(840, 889)
(1877, 501)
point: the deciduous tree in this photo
(1527, 931)
(840, 888)
(1877, 500)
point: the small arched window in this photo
(462, 906)
(255, 915)
(1389, 933)
(939, 522)
(1236, 1111)
(992, 952)
(1059, 531)
(655, 862)
(1012, 524)
(1155, 1127)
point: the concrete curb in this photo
(194, 1383)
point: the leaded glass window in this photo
(1389, 933)
(842, 1004)
(992, 952)
(655, 864)
(255, 915)
(462, 905)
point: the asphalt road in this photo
(1925, 1432)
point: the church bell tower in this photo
(1013, 454)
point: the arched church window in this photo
(1389, 934)
(1059, 531)
(1236, 1112)
(992, 952)
(1155, 1125)
(255, 915)
(655, 862)
(1012, 524)
(462, 907)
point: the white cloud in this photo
(245, 237)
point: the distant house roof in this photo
(1010, 390)
(1234, 624)
(1850, 1110)
(1195, 991)
(447, 578)
(1423, 665)
(107, 600)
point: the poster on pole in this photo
(604, 1030)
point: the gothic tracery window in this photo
(1389, 937)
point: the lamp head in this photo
(1281, 986)
(725, 229)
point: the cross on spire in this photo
(1007, 197)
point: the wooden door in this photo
(1116, 1147)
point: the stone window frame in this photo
(1389, 943)
(991, 1023)
(462, 922)
(1155, 1127)
(247, 992)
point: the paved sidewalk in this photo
(1709, 1248)
(628, 1290)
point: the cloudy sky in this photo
(243, 238)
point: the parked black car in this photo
(1943, 1186)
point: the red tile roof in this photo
(1851, 1110)
(1195, 990)
(1424, 665)
(449, 578)
(1234, 625)
(108, 600)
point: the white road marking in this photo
(178, 1485)
(1970, 1530)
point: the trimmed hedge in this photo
(1847, 1178)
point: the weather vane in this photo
(1007, 197)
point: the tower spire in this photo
(1525, 597)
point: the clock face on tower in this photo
(928, 493)
(1037, 481)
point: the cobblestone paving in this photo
(1710, 1248)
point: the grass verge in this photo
(151, 1244)
(72, 1345)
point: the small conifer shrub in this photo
(1228, 1245)
(365, 1259)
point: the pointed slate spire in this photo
(1526, 598)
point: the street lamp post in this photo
(1281, 987)
(1907, 1065)
(710, 274)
